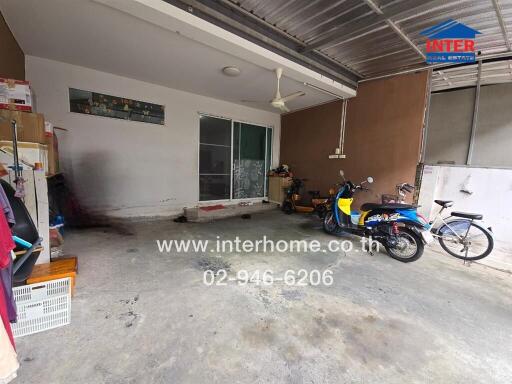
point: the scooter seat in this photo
(390, 206)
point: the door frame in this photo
(268, 162)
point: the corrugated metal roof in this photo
(466, 76)
(375, 37)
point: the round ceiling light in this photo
(231, 71)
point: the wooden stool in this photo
(58, 269)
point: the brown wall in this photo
(382, 137)
(12, 62)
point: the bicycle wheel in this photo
(478, 243)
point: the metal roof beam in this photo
(363, 27)
(445, 78)
(497, 56)
(499, 15)
(474, 124)
(351, 30)
(326, 9)
(395, 27)
(250, 27)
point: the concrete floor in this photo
(140, 316)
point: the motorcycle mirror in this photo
(370, 179)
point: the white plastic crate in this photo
(42, 306)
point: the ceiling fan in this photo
(279, 101)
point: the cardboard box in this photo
(30, 126)
(53, 154)
(277, 188)
(15, 95)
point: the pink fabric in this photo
(6, 242)
(5, 315)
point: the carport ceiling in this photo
(493, 72)
(356, 39)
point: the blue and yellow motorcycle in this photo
(396, 226)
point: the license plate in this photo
(427, 237)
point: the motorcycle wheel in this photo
(409, 248)
(330, 225)
(287, 207)
(321, 210)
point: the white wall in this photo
(492, 197)
(123, 168)
(494, 129)
(450, 121)
(449, 126)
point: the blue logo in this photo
(450, 42)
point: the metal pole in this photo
(343, 125)
(15, 150)
(426, 118)
(475, 114)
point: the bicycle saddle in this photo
(444, 203)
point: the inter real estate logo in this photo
(450, 42)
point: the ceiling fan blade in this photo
(284, 108)
(293, 96)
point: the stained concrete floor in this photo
(140, 316)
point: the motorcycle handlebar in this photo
(353, 186)
(406, 187)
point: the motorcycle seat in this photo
(444, 203)
(466, 215)
(372, 206)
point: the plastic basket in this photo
(42, 306)
(387, 199)
(354, 218)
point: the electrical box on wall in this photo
(337, 154)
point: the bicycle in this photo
(461, 236)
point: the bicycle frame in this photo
(432, 227)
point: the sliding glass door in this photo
(249, 154)
(234, 159)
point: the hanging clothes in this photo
(6, 242)
(6, 246)
(8, 360)
(6, 208)
(6, 281)
(5, 316)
